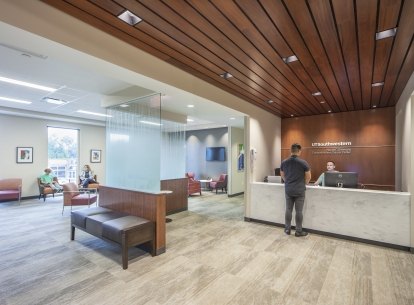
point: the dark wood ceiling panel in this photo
(309, 48)
(345, 22)
(400, 48)
(366, 20)
(322, 14)
(334, 41)
(404, 75)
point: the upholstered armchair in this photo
(221, 183)
(73, 196)
(93, 185)
(194, 186)
(46, 190)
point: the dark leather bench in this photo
(118, 227)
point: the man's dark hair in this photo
(295, 148)
(331, 162)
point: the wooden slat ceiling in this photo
(334, 41)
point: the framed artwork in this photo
(24, 155)
(96, 155)
(240, 157)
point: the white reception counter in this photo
(377, 216)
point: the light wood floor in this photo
(213, 257)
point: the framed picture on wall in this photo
(96, 155)
(240, 157)
(24, 155)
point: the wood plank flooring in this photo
(213, 257)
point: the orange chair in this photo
(221, 183)
(46, 190)
(73, 196)
(92, 185)
(194, 186)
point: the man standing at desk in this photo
(296, 174)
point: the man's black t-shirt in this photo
(294, 169)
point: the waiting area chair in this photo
(93, 185)
(46, 190)
(72, 196)
(194, 186)
(221, 183)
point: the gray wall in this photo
(196, 142)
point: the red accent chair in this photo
(221, 183)
(194, 186)
(73, 196)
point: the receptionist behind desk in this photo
(330, 166)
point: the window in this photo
(63, 153)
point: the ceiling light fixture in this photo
(226, 75)
(150, 123)
(322, 102)
(329, 111)
(374, 106)
(124, 105)
(129, 18)
(377, 84)
(316, 93)
(7, 99)
(23, 51)
(94, 113)
(232, 118)
(386, 34)
(292, 115)
(289, 59)
(190, 106)
(26, 84)
(55, 101)
(269, 102)
(190, 120)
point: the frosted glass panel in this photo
(172, 150)
(133, 146)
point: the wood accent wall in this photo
(371, 132)
(145, 205)
(178, 200)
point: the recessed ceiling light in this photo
(190, 120)
(270, 102)
(226, 75)
(129, 18)
(385, 34)
(190, 106)
(316, 93)
(322, 102)
(374, 106)
(290, 59)
(292, 115)
(124, 105)
(232, 118)
(150, 123)
(8, 99)
(26, 84)
(329, 111)
(55, 101)
(94, 113)
(378, 84)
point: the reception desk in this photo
(367, 215)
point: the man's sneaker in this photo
(287, 231)
(300, 233)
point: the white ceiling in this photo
(81, 81)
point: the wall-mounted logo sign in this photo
(328, 148)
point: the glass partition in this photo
(133, 144)
(141, 147)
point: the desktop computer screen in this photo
(341, 179)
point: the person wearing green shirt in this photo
(47, 180)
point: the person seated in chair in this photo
(86, 176)
(47, 180)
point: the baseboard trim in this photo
(236, 194)
(177, 211)
(340, 236)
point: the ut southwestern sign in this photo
(331, 148)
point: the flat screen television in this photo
(341, 179)
(215, 154)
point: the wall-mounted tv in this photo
(215, 154)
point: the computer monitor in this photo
(341, 179)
